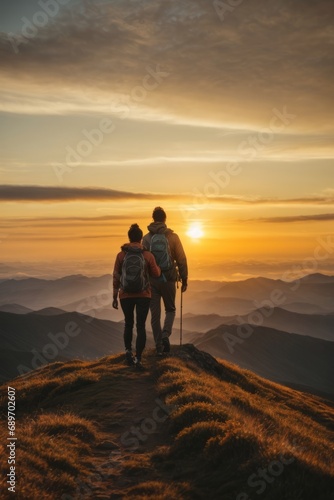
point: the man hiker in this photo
(169, 254)
(133, 267)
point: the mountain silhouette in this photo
(32, 340)
(15, 309)
(298, 361)
(314, 325)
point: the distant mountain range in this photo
(314, 325)
(312, 294)
(286, 345)
(36, 293)
(15, 308)
(77, 293)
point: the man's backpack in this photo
(134, 277)
(159, 246)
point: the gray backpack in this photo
(134, 277)
(159, 246)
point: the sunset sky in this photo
(222, 113)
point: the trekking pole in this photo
(181, 316)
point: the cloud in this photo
(297, 218)
(220, 71)
(271, 268)
(56, 237)
(63, 194)
(64, 220)
(257, 200)
(19, 193)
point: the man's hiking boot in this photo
(166, 345)
(129, 358)
(158, 352)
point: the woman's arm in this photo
(116, 277)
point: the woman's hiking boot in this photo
(129, 357)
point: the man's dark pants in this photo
(167, 292)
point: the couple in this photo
(146, 271)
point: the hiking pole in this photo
(181, 316)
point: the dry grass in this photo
(230, 424)
(226, 426)
(54, 442)
(52, 451)
(159, 490)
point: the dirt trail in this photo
(134, 427)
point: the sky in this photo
(220, 112)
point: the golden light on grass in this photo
(218, 414)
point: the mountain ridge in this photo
(46, 338)
(169, 432)
(93, 295)
(287, 358)
(315, 325)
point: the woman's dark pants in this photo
(141, 305)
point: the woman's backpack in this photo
(134, 278)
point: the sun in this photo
(195, 231)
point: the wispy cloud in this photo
(63, 194)
(19, 193)
(272, 268)
(64, 220)
(297, 218)
(257, 200)
(57, 237)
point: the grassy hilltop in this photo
(190, 427)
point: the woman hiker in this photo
(133, 267)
